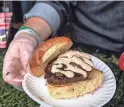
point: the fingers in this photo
(13, 71)
(26, 50)
(8, 64)
(13, 82)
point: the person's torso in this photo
(99, 23)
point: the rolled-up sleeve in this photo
(51, 12)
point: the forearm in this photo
(45, 18)
(40, 26)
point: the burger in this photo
(68, 73)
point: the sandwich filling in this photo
(71, 66)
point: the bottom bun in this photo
(77, 89)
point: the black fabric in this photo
(17, 12)
(19, 8)
(95, 23)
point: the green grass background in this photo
(10, 97)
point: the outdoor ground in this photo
(10, 97)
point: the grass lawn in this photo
(10, 97)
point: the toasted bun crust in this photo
(46, 52)
(74, 90)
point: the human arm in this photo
(17, 58)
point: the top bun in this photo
(46, 52)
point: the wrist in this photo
(27, 36)
(29, 31)
(40, 26)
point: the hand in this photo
(17, 59)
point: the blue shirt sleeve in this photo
(54, 13)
